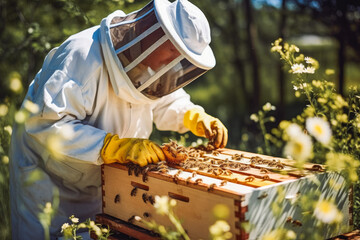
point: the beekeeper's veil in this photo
(159, 48)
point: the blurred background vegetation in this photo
(246, 76)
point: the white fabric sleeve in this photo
(60, 125)
(170, 110)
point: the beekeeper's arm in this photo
(60, 125)
(177, 113)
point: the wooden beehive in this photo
(248, 185)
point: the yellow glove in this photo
(125, 150)
(203, 125)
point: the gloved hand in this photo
(125, 150)
(203, 125)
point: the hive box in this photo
(251, 195)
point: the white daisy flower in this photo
(254, 117)
(310, 70)
(326, 211)
(293, 130)
(75, 220)
(298, 68)
(309, 60)
(162, 204)
(320, 129)
(299, 147)
(64, 226)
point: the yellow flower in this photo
(8, 129)
(20, 116)
(280, 234)
(15, 84)
(320, 129)
(31, 107)
(326, 211)
(220, 230)
(342, 118)
(268, 107)
(254, 117)
(340, 102)
(329, 71)
(3, 110)
(5, 160)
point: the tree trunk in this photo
(238, 90)
(251, 32)
(281, 74)
(341, 5)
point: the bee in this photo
(262, 196)
(145, 170)
(263, 170)
(297, 223)
(249, 179)
(145, 177)
(163, 170)
(187, 180)
(144, 197)
(317, 168)
(279, 165)
(117, 198)
(176, 178)
(130, 169)
(266, 177)
(224, 165)
(215, 152)
(289, 219)
(272, 163)
(131, 219)
(133, 192)
(228, 172)
(237, 156)
(265, 161)
(193, 174)
(217, 171)
(146, 214)
(199, 180)
(243, 167)
(223, 183)
(202, 166)
(211, 187)
(161, 163)
(137, 170)
(252, 165)
(253, 161)
(151, 199)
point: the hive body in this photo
(248, 193)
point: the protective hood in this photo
(156, 50)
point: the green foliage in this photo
(70, 230)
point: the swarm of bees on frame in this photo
(199, 160)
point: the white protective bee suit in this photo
(93, 84)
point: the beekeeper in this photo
(98, 95)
